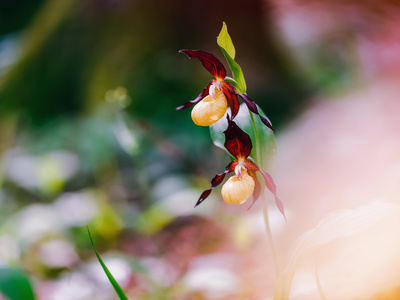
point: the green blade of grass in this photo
(111, 278)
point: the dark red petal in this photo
(269, 182)
(253, 107)
(203, 196)
(209, 61)
(203, 94)
(266, 122)
(251, 166)
(231, 97)
(237, 142)
(257, 189)
(217, 180)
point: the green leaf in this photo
(225, 43)
(266, 138)
(15, 285)
(111, 278)
(238, 76)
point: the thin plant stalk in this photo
(269, 233)
(264, 201)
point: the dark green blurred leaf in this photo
(15, 15)
(267, 144)
(15, 285)
(111, 278)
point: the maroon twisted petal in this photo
(217, 180)
(209, 61)
(269, 182)
(203, 94)
(231, 97)
(237, 142)
(253, 108)
(257, 190)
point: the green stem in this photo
(256, 135)
(269, 234)
(264, 201)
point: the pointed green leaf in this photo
(225, 43)
(266, 138)
(111, 278)
(237, 73)
(15, 285)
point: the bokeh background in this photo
(89, 136)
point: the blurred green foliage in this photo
(89, 135)
(15, 285)
(15, 15)
(73, 52)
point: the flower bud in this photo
(236, 191)
(209, 110)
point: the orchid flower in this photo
(239, 188)
(212, 102)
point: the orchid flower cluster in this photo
(210, 106)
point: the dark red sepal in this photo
(257, 189)
(203, 196)
(203, 94)
(237, 142)
(231, 97)
(217, 180)
(209, 61)
(253, 108)
(269, 183)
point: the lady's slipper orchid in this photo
(244, 184)
(237, 191)
(215, 97)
